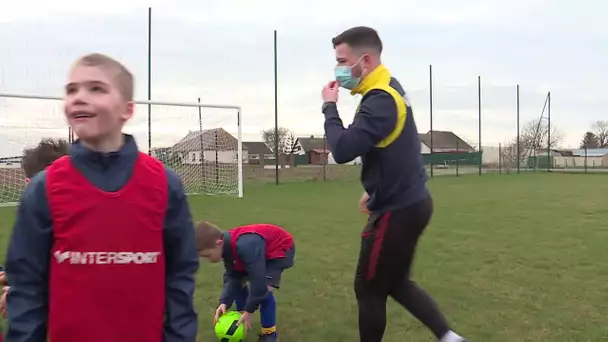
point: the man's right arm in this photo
(233, 283)
(27, 265)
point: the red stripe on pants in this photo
(377, 246)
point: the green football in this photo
(226, 329)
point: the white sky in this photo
(223, 52)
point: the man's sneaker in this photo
(452, 337)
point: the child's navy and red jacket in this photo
(103, 250)
(247, 250)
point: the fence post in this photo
(217, 161)
(201, 146)
(458, 159)
(499, 158)
(431, 112)
(479, 120)
(585, 159)
(276, 111)
(518, 151)
(549, 132)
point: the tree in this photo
(532, 136)
(286, 138)
(590, 140)
(509, 156)
(601, 132)
(291, 143)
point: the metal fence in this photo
(487, 138)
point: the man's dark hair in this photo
(40, 157)
(360, 37)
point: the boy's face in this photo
(93, 104)
(214, 254)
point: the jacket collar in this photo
(378, 76)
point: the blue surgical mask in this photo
(344, 76)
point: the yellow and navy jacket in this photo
(384, 135)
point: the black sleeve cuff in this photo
(329, 108)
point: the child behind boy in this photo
(257, 254)
(40, 157)
(34, 160)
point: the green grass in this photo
(507, 257)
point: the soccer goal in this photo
(201, 142)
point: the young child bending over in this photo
(257, 254)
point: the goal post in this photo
(200, 142)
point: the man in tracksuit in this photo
(103, 245)
(384, 134)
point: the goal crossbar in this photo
(143, 102)
(162, 103)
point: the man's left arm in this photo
(181, 263)
(375, 120)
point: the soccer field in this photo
(507, 257)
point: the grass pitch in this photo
(507, 257)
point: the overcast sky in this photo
(223, 53)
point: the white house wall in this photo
(577, 162)
(193, 157)
(424, 149)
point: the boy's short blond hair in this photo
(40, 157)
(122, 75)
(207, 235)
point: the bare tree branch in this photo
(601, 133)
(286, 138)
(532, 136)
(509, 157)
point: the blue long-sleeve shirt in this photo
(27, 264)
(384, 134)
(251, 250)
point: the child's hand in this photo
(246, 320)
(3, 301)
(219, 311)
(2, 277)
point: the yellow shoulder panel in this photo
(401, 115)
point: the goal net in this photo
(201, 143)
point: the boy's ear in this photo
(128, 114)
(220, 242)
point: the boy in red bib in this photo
(257, 253)
(103, 245)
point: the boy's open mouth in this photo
(82, 115)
